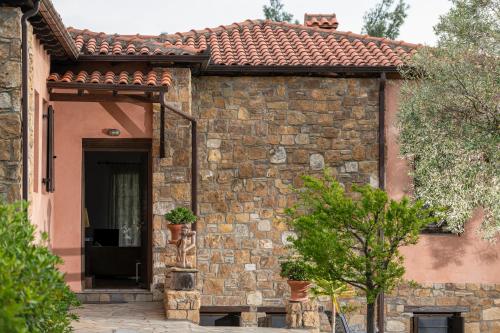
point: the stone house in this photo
(266, 102)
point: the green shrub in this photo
(180, 215)
(33, 295)
(295, 270)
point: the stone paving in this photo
(139, 317)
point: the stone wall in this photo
(10, 104)
(171, 174)
(483, 301)
(257, 136)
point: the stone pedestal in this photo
(303, 315)
(182, 302)
(182, 278)
(183, 305)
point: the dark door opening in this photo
(116, 219)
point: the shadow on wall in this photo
(123, 119)
(451, 249)
(66, 253)
(49, 217)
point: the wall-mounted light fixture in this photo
(113, 132)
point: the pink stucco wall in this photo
(41, 202)
(437, 258)
(73, 122)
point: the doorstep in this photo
(106, 296)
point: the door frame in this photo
(122, 145)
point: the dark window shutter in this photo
(49, 177)
(456, 324)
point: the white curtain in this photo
(125, 205)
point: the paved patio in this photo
(139, 317)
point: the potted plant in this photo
(177, 218)
(296, 273)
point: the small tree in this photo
(381, 21)
(449, 116)
(275, 12)
(339, 236)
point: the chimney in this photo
(322, 21)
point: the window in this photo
(436, 228)
(49, 164)
(275, 320)
(220, 319)
(36, 143)
(438, 323)
(433, 228)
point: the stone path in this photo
(147, 317)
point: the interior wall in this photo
(75, 121)
(97, 189)
(437, 257)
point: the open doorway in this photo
(115, 217)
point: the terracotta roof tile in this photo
(93, 43)
(158, 79)
(258, 43)
(324, 21)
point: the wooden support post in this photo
(162, 131)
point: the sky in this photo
(167, 16)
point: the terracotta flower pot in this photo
(300, 290)
(175, 232)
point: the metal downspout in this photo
(381, 181)
(24, 94)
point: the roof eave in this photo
(55, 24)
(297, 70)
(105, 86)
(198, 58)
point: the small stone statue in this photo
(186, 243)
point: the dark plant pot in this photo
(299, 290)
(175, 232)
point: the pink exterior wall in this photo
(73, 122)
(437, 258)
(41, 202)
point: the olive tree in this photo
(449, 116)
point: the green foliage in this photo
(275, 12)
(180, 215)
(449, 118)
(33, 294)
(332, 288)
(328, 287)
(381, 21)
(295, 270)
(339, 236)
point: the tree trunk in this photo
(370, 318)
